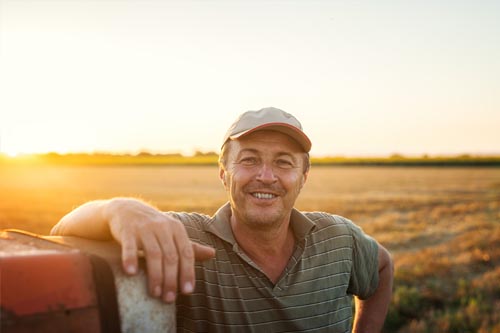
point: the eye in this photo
(284, 164)
(248, 160)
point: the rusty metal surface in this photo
(75, 321)
(38, 283)
(45, 287)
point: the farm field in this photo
(442, 225)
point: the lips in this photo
(262, 195)
(265, 192)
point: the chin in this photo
(263, 219)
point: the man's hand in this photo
(137, 226)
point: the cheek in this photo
(241, 175)
(232, 179)
(296, 182)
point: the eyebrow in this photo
(248, 150)
(286, 154)
(255, 151)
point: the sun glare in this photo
(11, 154)
(40, 138)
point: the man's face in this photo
(263, 176)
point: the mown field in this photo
(442, 225)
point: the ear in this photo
(222, 175)
(304, 178)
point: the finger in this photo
(153, 253)
(202, 252)
(165, 234)
(170, 266)
(129, 253)
(186, 260)
(186, 269)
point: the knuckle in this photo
(128, 248)
(144, 226)
(165, 228)
(171, 258)
(176, 226)
(154, 253)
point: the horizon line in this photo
(198, 153)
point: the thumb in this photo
(202, 252)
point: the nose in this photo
(266, 174)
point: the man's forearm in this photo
(370, 313)
(86, 221)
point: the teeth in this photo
(263, 195)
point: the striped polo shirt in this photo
(333, 259)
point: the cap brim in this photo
(284, 128)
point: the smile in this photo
(259, 195)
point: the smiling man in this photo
(261, 264)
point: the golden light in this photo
(11, 153)
(46, 136)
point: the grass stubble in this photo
(442, 225)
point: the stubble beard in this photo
(265, 217)
(262, 218)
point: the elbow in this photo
(57, 230)
(54, 230)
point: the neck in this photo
(270, 248)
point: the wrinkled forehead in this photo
(269, 140)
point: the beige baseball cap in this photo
(270, 119)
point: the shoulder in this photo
(330, 226)
(325, 222)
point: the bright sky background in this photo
(363, 77)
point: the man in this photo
(261, 264)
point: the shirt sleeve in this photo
(364, 275)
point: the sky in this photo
(365, 78)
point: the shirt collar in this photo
(220, 224)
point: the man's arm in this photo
(86, 221)
(169, 253)
(370, 313)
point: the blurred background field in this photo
(442, 225)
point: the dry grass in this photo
(441, 224)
